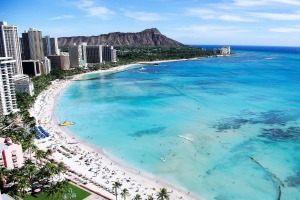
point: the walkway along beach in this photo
(89, 165)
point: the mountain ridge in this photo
(147, 37)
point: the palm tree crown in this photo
(163, 194)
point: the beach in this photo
(88, 165)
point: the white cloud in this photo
(94, 11)
(286, 29)
(62, 17)
(199, 29)
(252, 3)
(202, 13)
(235, 18)
(248, 3)
(144, 16)
(100, 12)
(84, 4)
(290, 2)
(278, 16)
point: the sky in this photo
(215, 22)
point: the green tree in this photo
(124, 193)
(23, 183)
(30, 171)
(52, 192)
(61, 168)
(163, 194)
(137, 197)
(40, 154)
(150, 197)
(116, 186)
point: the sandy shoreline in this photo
(92, 162)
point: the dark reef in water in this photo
(293, 181)
(230, 123)
(147, 132)
(273, 117)
(277, 134)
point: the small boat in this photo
(163, 159)
(66, 123)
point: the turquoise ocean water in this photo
(221, 127)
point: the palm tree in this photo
(30, 172)
(163, 194)
(150, 197)
(52, 191)
(48, 153)
(32, 149)
(51, 169)
(62, 187)
(124, 193)
(23, 183)
(116, 185)
(61, 168)
(137, 197)
(14, 176)
(39, 155)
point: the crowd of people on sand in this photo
(86, 165)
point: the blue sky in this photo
(228, 22)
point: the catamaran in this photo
(66, 123)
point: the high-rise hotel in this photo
(10, 45)
(32, 45)
(33, 52)
(8, 101)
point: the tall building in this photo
(8, 101)
(50, 46)
(109, 54)
(77, 55)
(32, 44)
(94, 54)
(11, 155)
(61, 61)
(32, 67)
(10, 45)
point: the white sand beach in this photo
(91, 166)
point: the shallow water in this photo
(223, 128)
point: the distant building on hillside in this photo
(225, 50)
(32, 67)
(11, 155)
(8, 100)
(10, 45)
(94, 54)
(50, 45)
(77, 55)
(23, 84)
(61, 61)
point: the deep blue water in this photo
(241, 115)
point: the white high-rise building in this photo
(10, 45)
(50, 46)
(8, 101)
(77, 54)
